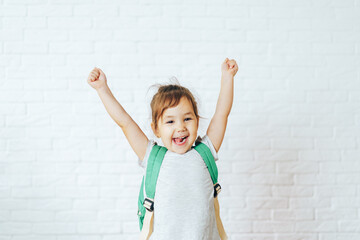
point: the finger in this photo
(232, 63)
(94, 76)
(96, 71)
(90, 77)
(100, 71)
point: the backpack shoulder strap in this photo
(209, 160)
(153, 168)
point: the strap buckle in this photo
(149, 204)
(217, 189)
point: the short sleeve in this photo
(143, 163)
(206, 140)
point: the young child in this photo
(184, 192)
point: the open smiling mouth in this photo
(180, 141)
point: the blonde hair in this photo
(168, 96)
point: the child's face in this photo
(177, 127)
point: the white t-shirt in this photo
(184, 196)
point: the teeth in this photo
(180, 139)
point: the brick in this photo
(260, 191)
(13, 109)
(288, 120)
(8, 10)
(73, 143)
(15, 228)
(51, 179)
(278, 97)
(316, 226)
(238, 227)
(202, 23)
(339, 143)
(29, 144)
(50, 10)
(315, 179)
(269, 227)
(310, 36)
(243, 214)
(268, 132)
(88, 168)
(142, 10)
(336, 214)
(77, 192)
(54, 228)
(293, 191)
(49, 108)
(64, 216)
(44, 60)
(317, 132)
(12, 35)
(292, 143)
(298, 167)
(159, 22)
(12, 133)
(91, 204)
(24, 22)
(279, 108)
(266, 203)
(72, 22)
(105, 227)
(310, 203)
(25, 120)
(345, 119)
(34, 192)
(21, 96)
(278, 155)
(272, 179)
(110, 23)
(36, 35)
(14, 204)
(323, 155)
(293, 215)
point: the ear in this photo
(156, 132)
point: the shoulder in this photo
(143, 163)
(206, 140)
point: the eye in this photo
(170, 122)
(188, 119)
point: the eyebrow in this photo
(170, 116)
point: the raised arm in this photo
(135, 136)
(217, 126)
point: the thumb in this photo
(101, 72)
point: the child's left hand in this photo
(229, 68)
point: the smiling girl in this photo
(184, 191)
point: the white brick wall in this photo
(289, 164)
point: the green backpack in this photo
(152, 172)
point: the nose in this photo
(180, 127)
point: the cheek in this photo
(194, 128)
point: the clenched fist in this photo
(97, 78)
(229, 68)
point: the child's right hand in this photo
(97, 79)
